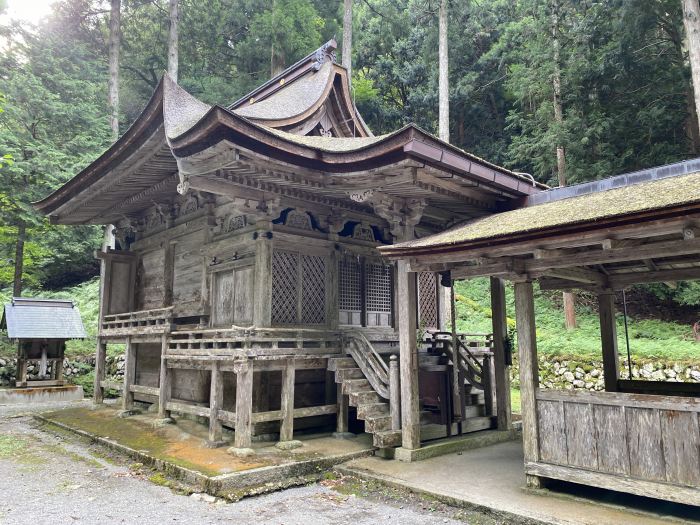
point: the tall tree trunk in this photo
(347, 37)
(443, 75)
(19, 259)
(173, 40)
(691, 21)
(114, 43)
(568, 298)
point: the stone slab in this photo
(40, 395)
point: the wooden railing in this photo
(474, 355)
(644, 444)
(383, 378)
(370, 362)
(154, 321)
(253, 342)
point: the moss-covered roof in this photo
(590, 208)
(293, 100)
(329, 144)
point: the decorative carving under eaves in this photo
(124, 235)
(401, 214)
(363, 232)
(234, 222)
(336, 222)
(299, 219)
(361, 195)
(191, 204)
(264, 210)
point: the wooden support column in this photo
(608, 338)
(342, 415)
(529, 372)
(262, 299)
(129, 376)
(408, 306)
(216, 399)
(165, 386)
(168, 273)
(287, 402)
(100, 370)
(501, 364)
(244, 404)
(332, 310)
(394, 392)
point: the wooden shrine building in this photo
(245, 280)
(640, 437)
(41, 327)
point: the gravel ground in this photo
(53, 478)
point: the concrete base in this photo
(289, 445)
(241, 452)
(40, 394)
(344, 435)
(455, 444)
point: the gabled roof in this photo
(33, 318)
(177, 136)
(315, 90)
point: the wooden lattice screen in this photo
(378, 294)
(298, 288)
(428, 316)
(365, 292)
(350, 291)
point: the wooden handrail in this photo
(370, 362)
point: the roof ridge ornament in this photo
(325, 53)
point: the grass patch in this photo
(515, 400)
(649, 338)
(11, 446)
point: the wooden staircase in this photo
(371, 407)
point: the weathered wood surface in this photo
(501, 368)
(408, 359)
(244, 405)
(608, 338)
(665, 491)
(646, 438)
(129, 375)
(216, 400)
(287, 402)
(100, 370)
(529, 373)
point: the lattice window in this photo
(285, 287)
(298, 288)
(313, 289)
(349, 278)
(378, 287)
(427, 300)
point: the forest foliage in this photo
(626, 89)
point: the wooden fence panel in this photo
(681, 440)
(580, 435)
(644, 441)
(613, 454)
(551, 432)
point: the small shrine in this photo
(41, 327)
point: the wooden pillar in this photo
(529, 372)
(216, 399)
(244, 404)
(287, 402)
(168, 273)
(408, 306)
(394, 392)
(100, 370)
(43, 363)
(499, 323)
(165, 383)
(58, 369)
(332, 306)
(129, 375)
(342, 419)
(262, 300)
(608, 338)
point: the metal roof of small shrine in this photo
(34, 318)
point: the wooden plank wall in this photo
(650, 438)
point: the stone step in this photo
(348, 373)
(364, 398)
(387, 438)
(336, 363)
(378, 423)
(356, 385)
(372, 409)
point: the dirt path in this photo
(51, 478)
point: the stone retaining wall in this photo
(571, 373)
(72, 368)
